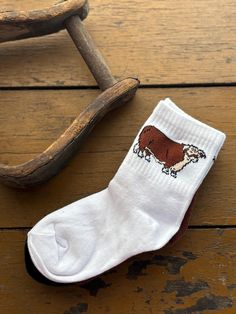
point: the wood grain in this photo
(164, 42)
(20, 24)
(195, 276)
(48, 163)
(31, 120)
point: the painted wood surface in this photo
(161, 42)
(197, 275)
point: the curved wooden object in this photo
(67, 14)
(19, 24)
(47, 164)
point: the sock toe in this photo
(54, 252)
(33, 271)
(44, 251)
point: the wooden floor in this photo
(182, 49)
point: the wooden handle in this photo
(90, 52)
(48, 163)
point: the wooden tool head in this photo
(23, 24)
(67, 14)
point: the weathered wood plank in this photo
(30, 121)
(195, 276)
(165, 42)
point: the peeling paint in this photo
(189, 255)
(172, 264)
(95, 285)
(233, 286)
(183, 288)
(209, 302)
(78, 309)
(136, 268)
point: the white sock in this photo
(141, 209)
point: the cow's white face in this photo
(193, 153)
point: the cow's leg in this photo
(138, 150)
(140, 153)
(147, 155)
(173, 173)
(165, 170)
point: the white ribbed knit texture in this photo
(141, 209)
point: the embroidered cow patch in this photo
(173, 156)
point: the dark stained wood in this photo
(32, 120)
(197, 275)
(23, 24)
(48, 163)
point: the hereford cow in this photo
(173, 156)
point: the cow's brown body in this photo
(172, 155)
(152, 140)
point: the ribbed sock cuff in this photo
(182, 127)
(184, 130)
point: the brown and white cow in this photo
(172, 155)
